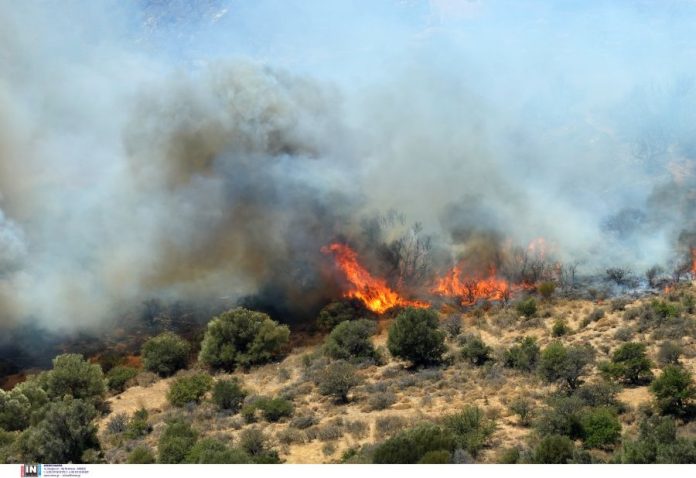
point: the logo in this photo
(30, 470)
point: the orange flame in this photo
(372, 291)
(471, 289)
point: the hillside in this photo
(392, 397)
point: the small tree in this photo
(64, 434)
(629, 364)
(674, 390)
(228, 395)
(350, 340)
(415, 336)
(74, 376)
(567, 365)
(337, 380)
(554, 449)
(242, 337)
(165, 354)
(189, 389)
(523, 356)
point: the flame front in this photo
(372, 291)
(470, 289)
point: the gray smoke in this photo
(140, 159)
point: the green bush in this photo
(176, 442)
(600, 427)
(658, 443)
(674, 390)
(523, 408)
(546, 289)
(475, 350)
(228, 395)
(527, 307)
(273, 409)
(211, 451)
(560, 328)
(665, 310)
(554, 449)
(189, 389)
(74, 376)
(629, 364)
(165, 354)
(411, 445)
(241, 337)
(255, 444)
(350, 340)
(138, 426)
(415, 336)
(337, 379)
(63, 435)
(470, 428)
(523, 356)
(509, 456)
(437, 457)
(566, 365)
(141, 455)
(117, 377)
(15, 410)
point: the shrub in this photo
(411, 445)
(414, 336)
(176, 441)
(658, 443)
(452, 325)
(388, 425)
(350, 340)
(523, 408)
(598, 394)
(117, 423)
(600, 427)
(165, 354)
(381, 400)
(523, 356)
(138, 425)
(553, 449)
(475, 350)
(118, 376)
(15, 409)
(212, 451)
(141, 455)
(664, 310)
(63, 435)
(273, 409)
(241, 337)
(546, 289)
(189, 389)
(595, 315)
(337, 380)
(674, 390)
(302, 422)
(562, 417)
(527, 307)
(669, 353)
(509, 456)
(74, 376)
(629, 364)
(228, 395)
(437, 457)
(470, 428)
(560, 328)
(624, 334)
(253, 441)
(558, 363)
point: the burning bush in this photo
(242, 337)
(415, 336)
(351, 341)
(165, 354)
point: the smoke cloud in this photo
(159, 149)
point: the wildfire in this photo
(471, 289)
(372, 291)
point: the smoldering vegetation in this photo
(138, 162)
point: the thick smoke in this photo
(155, 149)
